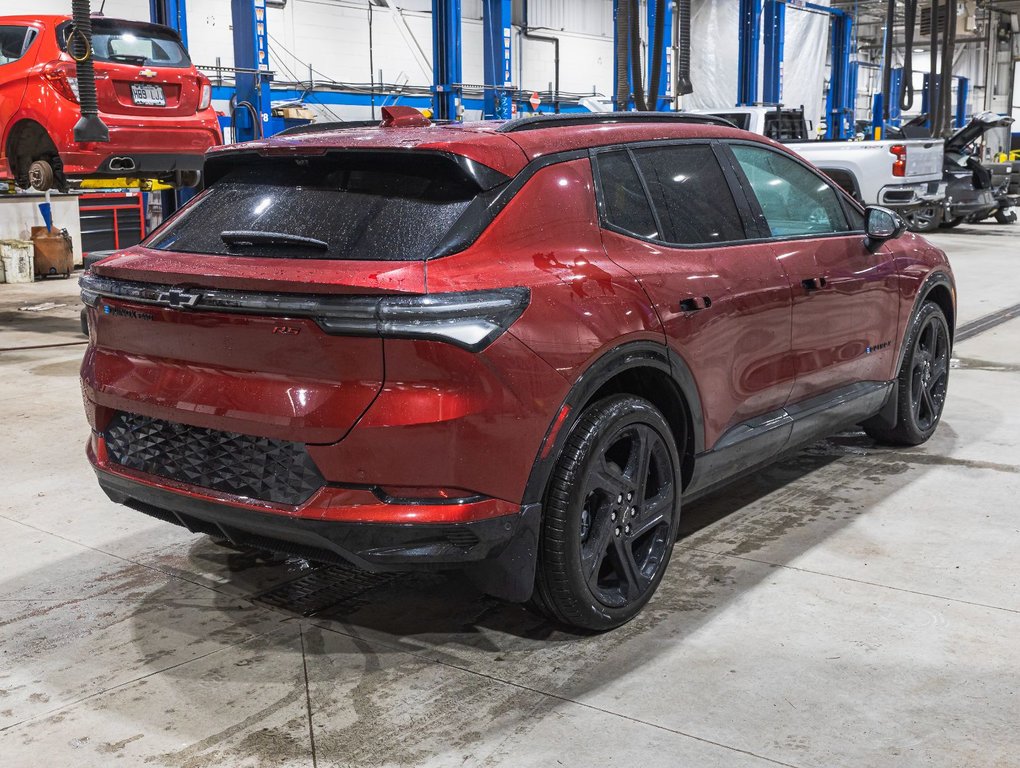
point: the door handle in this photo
(814, 283)
(695, 303)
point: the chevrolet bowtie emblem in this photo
(178, 298)
(147, 73)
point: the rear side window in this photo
(14, 43)
(794, 200)
(690, 194)
(348, 206)
(624, 201)
(123, 42)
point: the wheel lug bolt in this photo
(619, 498)
(617, 530)
(612, 516)
(630, 496)
(626, 529)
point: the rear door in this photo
(671, 218)
(845, 294)
(142, 69)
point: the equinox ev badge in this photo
(178, 298)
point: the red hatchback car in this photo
(511, 348)
(151, 97)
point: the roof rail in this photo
(608, 118)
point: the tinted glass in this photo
(854, 216)
(14, 41)
(740, 119)
(795, 201)
(624, 200)
(132, 43)
(361, 206)
(690, 194)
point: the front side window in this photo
(690, 194)
(794, 200)
(14, 43)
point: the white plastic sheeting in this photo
(714, 35)
(715, 27)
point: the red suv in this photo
(511, 348)
(154, 101)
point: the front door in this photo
(845, 295)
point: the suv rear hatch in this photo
(260, 308)
(142, 70)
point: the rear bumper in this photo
(911, 196)
(155, 150)
(498, 552)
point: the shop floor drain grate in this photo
(337, 587)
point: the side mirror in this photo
(881, 224)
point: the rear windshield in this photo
(126, 42)
(740, 119)
(360, 206)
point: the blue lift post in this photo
(774, 26)
(748, 48)
(253, 115)
(962, 94)
(447, 68)
(173, 14)
(663, 100)
(841, 101)
(497, 37)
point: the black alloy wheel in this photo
(923, 380)
(929, 372)
(611, 516)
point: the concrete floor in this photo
(852, 606)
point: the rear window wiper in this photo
(245, 237)
(127, 57)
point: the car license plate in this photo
(146, 95)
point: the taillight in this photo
(899, 166)
(61, 75)
(206, 98)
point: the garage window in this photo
(351, 206)
(14, 43)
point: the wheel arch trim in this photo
(626, 357)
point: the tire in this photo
(951, 223)
(1007, 216)
(926, 219)
(922, 382)
(612, 510)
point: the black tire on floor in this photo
(926, 219)
(922, 382)
(951, 223)
(611, 515)
(1007, 216)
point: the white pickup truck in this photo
(903, 174)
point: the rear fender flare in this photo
(640, 354)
